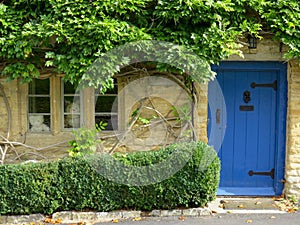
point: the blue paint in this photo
(254, 140)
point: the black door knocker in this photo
(247, 97)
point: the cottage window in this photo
(71, 106)
(39, 106)
(106, 107)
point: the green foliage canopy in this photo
(67, 36)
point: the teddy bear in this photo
(37, 123)
(72, 119)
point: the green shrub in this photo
(29, 188)
(76, 184)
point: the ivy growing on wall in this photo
(67, 36)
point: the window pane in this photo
(106, 104)
(71, 121)
(39, 104)
(72, 104)
(69, 88)
(39, 123)
(111, 121)
(39, 87)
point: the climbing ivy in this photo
(67, 36)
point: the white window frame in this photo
(111, 114)
(63, 113)
(29, 96)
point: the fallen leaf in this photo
(273, 217)
(221, 206)
(58, 221)
(214, 211)
(241, 206)
(81, 223)
(181, 218)
(48, 220)
(249, 221)
(258, 203)
(291, 210)
(229, 211)
(223, 201)
(137, 219)
(115, 221)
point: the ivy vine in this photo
(67, 36)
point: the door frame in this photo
(280, 145)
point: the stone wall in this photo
(28, 145)
(159, 100)
(292, 168)
(201, 112)
(14, 93)
(267, 50)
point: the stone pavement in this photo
(224, 219)
(238, 206)
(88, 217)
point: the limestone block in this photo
(3, 219)
(131, 214)
(155, 213)
(191, 212)
(103, 217)
(293, 180)
(175, 212)
(83, 216)
(18, 219)
(204, 212)
(64, 216)
(115, 214)
(292, 192)
(292, 173)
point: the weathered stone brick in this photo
(175, 212)
(115, 214)
(103, 216)
(191, 212)
(64, 216)
(83, 216)
(18, 219)
(292, 185)
(3, 219)
(131, 214)
(36, 217)
(155, 213)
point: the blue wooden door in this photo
(249, 152)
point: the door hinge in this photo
(272, 85)
(271, 173)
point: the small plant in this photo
(289, 204)
(86, 141)
(144, 121)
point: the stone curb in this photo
(75, 217)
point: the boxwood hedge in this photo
(77, 184)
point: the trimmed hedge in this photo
(75, 184)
